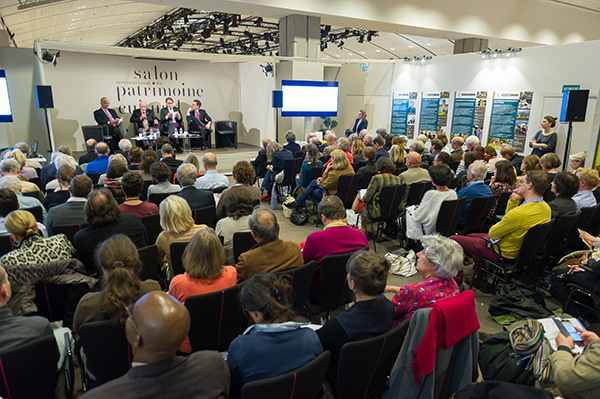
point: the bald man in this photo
(211, 178)
(138, 116)
(457, 151)
(156, 327)
(414, 173)
(90, 146)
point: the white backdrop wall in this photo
(81, 79)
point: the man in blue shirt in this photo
(476, 187)
(211, 179)
(100, 164)
(588, 180)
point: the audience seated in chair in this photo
(414, 174)
(61, 194)
(48, 172)
(335, 238)
(238, 206)
(26, 172)
(310, 161)
(90, 147)
(205, 271)
(270, 254)
(275, 344)
(156, 326)
(511, 230)
(503, 181)
(166, 152)
(73, 211)
(149, 157)
(371, 314)
(11, 167)
(370, 205)
(211, 178)
(243, 176)
(8, 203)
(195, 197)
(291, 145)
(17, 330)
(106, 220)
(370, 167)
(26, 150)
(132, 184)
(378, 144)
(31, 248)
(276, 157)
(439, 261)
(100, 164)
(476, 187)
(260, 162)
(120, 263)
(14, 184)
(588, 181)
(421, 219)
(565, 185)
(61, 160)
(161, 174)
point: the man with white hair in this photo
(363, 133)
(11, 167)
(476, 187)
(125, 146)
(138, 115)
(423, 139)
(331, 140)
(59, 161)
(368, 140)
(108, 116)
(14, 184)
(260, 162)
(472, 142)
(196, 198)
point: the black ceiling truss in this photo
(184, 29)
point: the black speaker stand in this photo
(567, 147)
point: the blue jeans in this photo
(313, 190)
(267, 181)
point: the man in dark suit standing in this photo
(108, 116)
(361, 122)
(196, 197)
(170, 118)
(138, 115)
(199, 121)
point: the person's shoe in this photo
(292, 205)
(265, 198)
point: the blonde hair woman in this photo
(339, 166)
(357, 151)
(178, 225)
(397, 155)
(205, 271)
(33, 249)
(26, 172)
(276, 156)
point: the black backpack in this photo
(511, 299)
(299, 217)
(498, 361)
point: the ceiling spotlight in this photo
(258, 21)
(267, 69)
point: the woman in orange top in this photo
(203, 261)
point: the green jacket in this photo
(371, 198)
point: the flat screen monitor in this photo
(308, 98)
(5, 109)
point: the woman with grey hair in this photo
(291, 145)
(438, 263)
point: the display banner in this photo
(479, 118)
(504, 117)
(522, 124)
(443, 111)
(430, 105)
(464, 113)
(403, 113)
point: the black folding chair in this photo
(158, 198)
(365, 179)
(106, 365)
(501, 269)
(583, 223)
(333, 287)
(94, 177)
(364, 366)
(34, 194)
(57, 302)
(6, 245)
(315, 173)
(416, 191)
(389, 202)
(556, 243)
(152, 224)
(68, 230)
(291, 167)
(479, 210)
(347, 189)
(242, 242)
(449, 215)
(304, 382)
(176, 250)
(357, 165)
(206, 215)
(216, 319)
(501, 203)
(29, 370)
(301, 280)
(37, 213)
(150, 268)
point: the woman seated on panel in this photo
(371, 314)
(205, 271)
(275, 344)
(30, 248)
(177, 223)
(503, 181)
(238, 206)
(120, 263)
(421, 219)
(439, 261)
